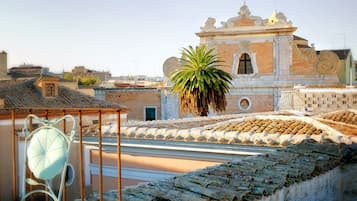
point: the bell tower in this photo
(3, 65)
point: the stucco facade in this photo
(264, 57)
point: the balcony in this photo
(12, 140)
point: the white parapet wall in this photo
(335, 185)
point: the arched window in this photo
(245, 65)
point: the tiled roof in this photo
(342, 121)
(25, 94)
(299, 38)
(270, 126)
(252, 178)
(303, 46)
(265, 130)
(346, 116)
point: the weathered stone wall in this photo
(335, 185)
(308, 171)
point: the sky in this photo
(135, 37)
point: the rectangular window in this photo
(150, 113)
(50, 90)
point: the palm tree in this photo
(199, 83)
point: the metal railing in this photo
(16, 115)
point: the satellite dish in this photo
(170, 65)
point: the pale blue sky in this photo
(131, 37)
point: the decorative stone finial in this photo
(278, 18)
(209, 24)
(244, 10)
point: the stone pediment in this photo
(245, 21)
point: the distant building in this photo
(143, 103)
(3, 65)
(355, 70)
(45, 92)
(139, 93)
(28, 70)
(81, 71)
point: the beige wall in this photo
(136, 101)
(6, 181)
(144, 162)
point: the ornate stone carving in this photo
(209, 24)
(278, 18)
(244, 11)
(244, 19)
(327, 62)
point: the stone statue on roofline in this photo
(244, 11)
(278, 18)
(209, 24)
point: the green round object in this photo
(47, 153)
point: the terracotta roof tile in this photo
(270, 126)
(348, 117)
(26, 94)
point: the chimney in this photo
(3, 65)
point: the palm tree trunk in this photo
(204, 113)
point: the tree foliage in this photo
(200, 84)
(68, 76)
(88, 81)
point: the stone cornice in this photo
(240, 32)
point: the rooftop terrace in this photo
(316, 150)
(256, 178)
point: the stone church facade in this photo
(264, 57)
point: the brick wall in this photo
(304, 61)
(225, 54)
(259, 103)
(264, 58)
(135, 101)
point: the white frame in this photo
(236, 58)
(249, 101)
